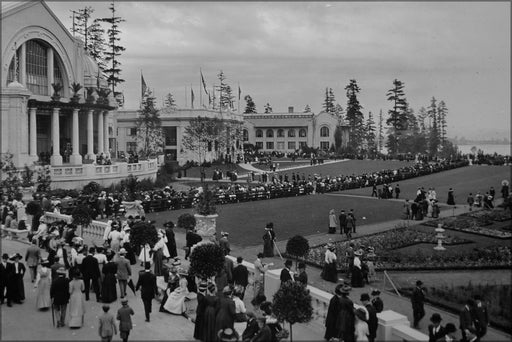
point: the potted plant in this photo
(57, 87)
(90, 99)
(75, 88)
(206, 260)
(143, 233)
(102, 96)
(298, 247)
(206, 213)
(132, 205)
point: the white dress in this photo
(175, 303)
(361, 331)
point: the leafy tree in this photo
(397, 118)
(329, 101)
(149, 127)
(9, 178)
(297, 246)
(44, 178)
(354, 117)
(292, 303)
(206, 260)
(250, 106)
(169, 102)
(307, 109)
(268, 108)
(114, 49)
(370, 134)
(434, 140)
(226, 97)
(186, 221)
(201, 135)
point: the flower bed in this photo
(489, 215)
(474, 223)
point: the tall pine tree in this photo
(433, 140)
(354, 117)
(82, 23)
(329, 101)
(307, 109)
(442, 110)
(370, 135)
(169, 102)
(268, 108)
(250, 106)
(225, 94)
(113, 69)
(149, 127)
(380, 135)
(397, 117)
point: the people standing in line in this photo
(373, 322)
(148, 289)
(15, 286)
(435, 330)
(302, 276)
(466, 322)
(107, 325)
(269, 240)
(241, 275)
(481, 318)
(332, 318)
(333, 222)
(3, 277)
(123, 273)
(451, 197)
(59, 292)
(286, 273)
(91, 273)
(346, 318)
(42, 284)
(108, 287)
(32, 258)
(330, 270)
(418, 302)
(124, 316)
(361, 331)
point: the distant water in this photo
(502, 149)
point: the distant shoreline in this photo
(502, 149)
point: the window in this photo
(302, 144)
(246, 135)
(280, 133)
(324, 131)
(270, 145)
(131, 131)
(259, 145)
(270, 133)
(170, 136)
(324, 145)
(259, 133)
(291, 145)
(131, 147)
(291, 133)
(280, 145)
(302, 133)
(57, 73)
(37, 68)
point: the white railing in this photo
(93, 232)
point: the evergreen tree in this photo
(397, 117)
(329, 101)
(381, 132)
(113, 69)
(82, 24)
(422, 117)
(370, 134)
(169, 102)
(434, 131)
(441, 125)
(307, 109)
(354, 117)
(149, 127)
(268, 108)
(338, 112)
(250, 106)
(225, 94)
(96, 43)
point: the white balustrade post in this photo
(106, 147)
(90, 135)
(33, 132)
(56, 158)
(100, 133)
(75, 158)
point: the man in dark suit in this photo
(252, 327)
(171, 240)
(373, 322)
(125, 320)
(481, 316)
(285, 272)
(59, 292)
(302, 276)
(466, 325)
(229, 267)
(191, 238)
(3, 277)
(435, 330)
(241, 275)
(343, 222)
(32, 258)
(91, 272)
(148, 289)
(418, 300)
(15, 286)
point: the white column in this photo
(33, 132)
(90, 136)
(49, 55)
(22, 65)
(101, 143)
(106, 148)
(75, 158)
(56, 158)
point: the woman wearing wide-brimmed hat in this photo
(330, 271)
(175, 303)
(268, 240)
(42, 284)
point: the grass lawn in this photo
(307, 215)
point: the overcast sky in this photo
(287, 53)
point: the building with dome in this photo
(42, 120)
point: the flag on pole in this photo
(209, 99)
(192, 97)
(144, 86)
(239, 93)
(204, 83)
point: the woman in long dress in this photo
(268, 240)
(76, 301)
(330, 271)
(333, 222)
(108, 287)
(357, 273)
(210, 313)
(175, 303)
(43, 283)
(160, 252)
(201, 306)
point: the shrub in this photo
(91, 188)
(33, 208)
(186, 221)
(206, 260)
(143, 233)
(82, 216)
(297, 246)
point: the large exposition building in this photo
(38, 123)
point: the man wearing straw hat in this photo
(124, 271)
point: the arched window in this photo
(291, 133)
(259, 133)
(324, 131)
(302, 133)
(246, 135)
(270, 133)
(280, 133)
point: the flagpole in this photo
(238, 97)
(200, 90)
(191, 97)
(186, 101)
